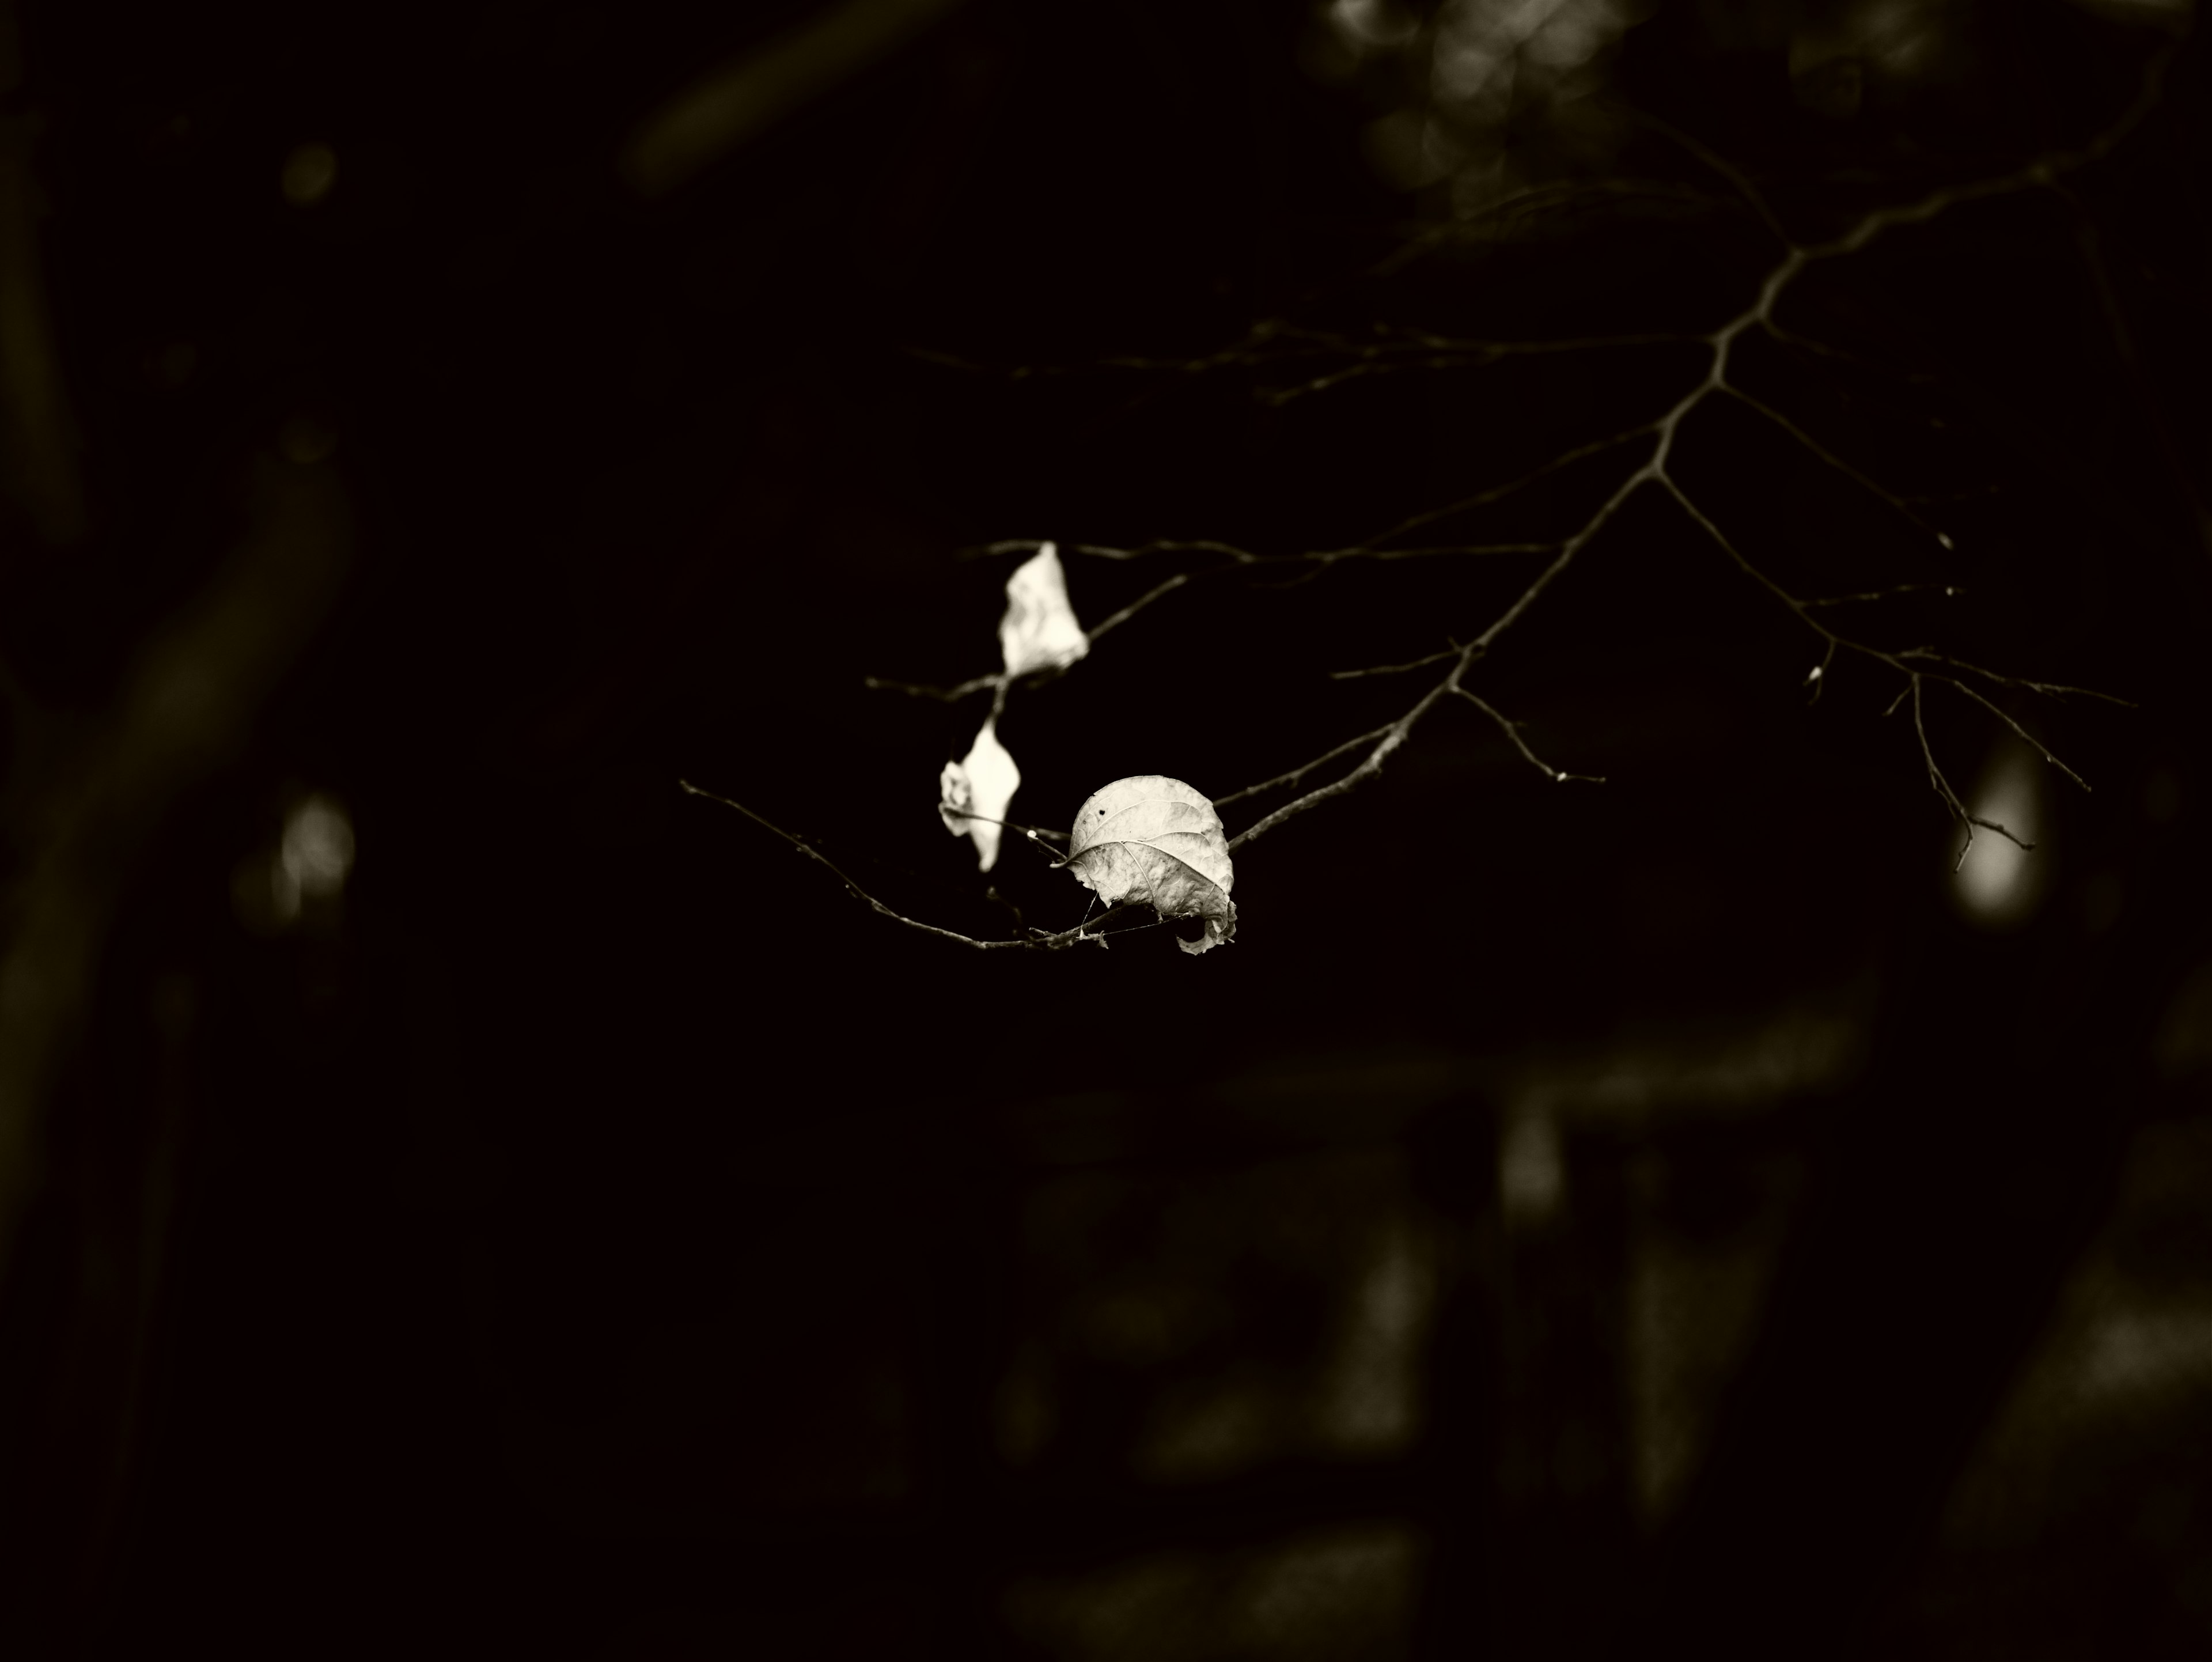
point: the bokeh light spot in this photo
(309, 173)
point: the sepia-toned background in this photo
(460, 1194)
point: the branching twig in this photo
(1833, 459)
(1759, 315)
(1483, 498)
(1033, 939)
(2025, 737)
(2049, 689)
(1298, 773)
(1276, 340)
(1512, 729)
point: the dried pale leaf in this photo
(1039, 630)
(1154, 840)
(983, 783)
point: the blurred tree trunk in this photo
(85, 1207)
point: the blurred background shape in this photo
(310, 172)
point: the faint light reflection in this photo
(317, 852)
(1999, 883)
(1372, 23)
(1532, 1175)
(304, 877)
(1482, 65)
(2133, 1351)
(1373, 1404)
(309, 173)
(1346, 1592)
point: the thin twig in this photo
(1298, 773)
(1032, 831)
(1394, 669)
(1512, 729)
(2049, 689)
(1491, 493)
(1874, 594)
(1167, 545)
(1833, 459)
(1036, 939)
(1936, 779)
(952, 695)
(1138, 605)
(1759, 315)
(2025, 737)
(1321, 563)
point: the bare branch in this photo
(1439, 550)
(1390, 738)
(1035, 939)
(1744, 565)
(1936, 778)
(1276, 340)
(851, 888)
(1991, 824)
(1900, 661)
(1031, 832)
(952, 695)
(1821, 348)
(1395, 669)
(2051, 688)
(1298, 773)
(1322, 562)
(1833, 460)
(1873, 594)
(2041, 749)
(1512, 729)
(1498, 492)
(1242, 556)
(1440, 353)
(1138, 604)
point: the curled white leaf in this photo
(1039, 630)
(975, 792)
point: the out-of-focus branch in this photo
(738, 101)
(87, 801)
(2091, 243)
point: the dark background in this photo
(1568, 1219)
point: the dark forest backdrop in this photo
(460, 1195)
